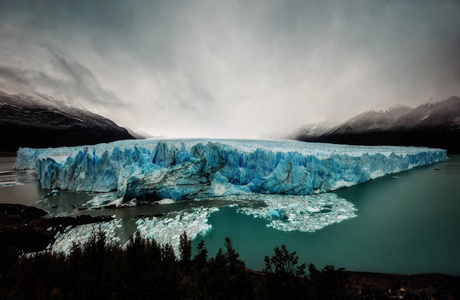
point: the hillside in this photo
(33, 122)
(430, 125)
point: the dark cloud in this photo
(81, 81)
(12, 76)
(233, 68)
(70, 79)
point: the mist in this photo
(233, 69)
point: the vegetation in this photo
(145, 269)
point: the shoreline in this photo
(26, 229)
(417, 286)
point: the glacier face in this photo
(156, 169)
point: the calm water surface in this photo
(407, 223)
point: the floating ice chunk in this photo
(101, 200)
(166, 201)
(301, 213)
(167, 230)
(313, 209)
(274, 213)
(117, 202)
(131, 203)
(81, 234)
(10, 183)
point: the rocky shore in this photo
(366, 285)
(25, 229)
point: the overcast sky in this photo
(248, 69)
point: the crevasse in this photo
(192, 168)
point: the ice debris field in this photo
(169, 229)
(82, 234)
(300, 213)
(278, 174)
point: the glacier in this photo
(156, 169)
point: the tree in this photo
(185, 247)
(284, 263)
(202, 254)
(328, 283)
(231, 256)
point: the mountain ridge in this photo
(27, 121)
(434, 124)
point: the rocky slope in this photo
(430, 125)
(37, 123)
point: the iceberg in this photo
(80, 235)
(155, 169)
(8, 178)
(168, 230)
(298, 213)
(165, 230)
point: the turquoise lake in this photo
(406, 223)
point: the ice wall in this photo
(191, 168)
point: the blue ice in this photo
(157, 169)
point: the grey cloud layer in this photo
(233, 68)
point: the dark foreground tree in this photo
(284, 278)
(284, 263)
(146, 270)
(328, 283)
(185, 247)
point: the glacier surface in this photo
(156, 169)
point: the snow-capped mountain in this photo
(372, 120)
(443, 113)
(312, 130)
(42, 122)
(431, 124)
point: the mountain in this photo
(373, 120)
(430, 125)
(312, 130)
(42, 122)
